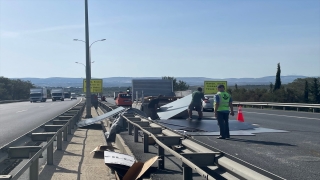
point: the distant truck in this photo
(57, 94)
(73, 96)
(38, 94)
(67, 94)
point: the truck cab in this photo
(57, 94)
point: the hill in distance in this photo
(126, 81)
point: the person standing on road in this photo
(222, 103)
(153, 106)
(196, 103)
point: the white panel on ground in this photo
(100, 118)
(169, 110)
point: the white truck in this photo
(57, 94)
(38, 94)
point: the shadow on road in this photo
(261, 142)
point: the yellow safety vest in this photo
(224, 98)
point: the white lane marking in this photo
(283, 115)
(21, 111)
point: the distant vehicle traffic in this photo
(67, 94)
(73, 96)
(57, 94)
(38, 94)
(207, 104)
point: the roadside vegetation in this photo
(301, 90)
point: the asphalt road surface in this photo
(19, 118)
(292, 155)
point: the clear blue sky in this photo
(180, 38)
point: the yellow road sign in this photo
(211, 87)
(95, 85)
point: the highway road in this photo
(292, 155)
(19, 118)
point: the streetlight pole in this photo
(83, 65)
(88, 67)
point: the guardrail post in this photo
(271, 107)
(187, 172)
(50, 153)
(130, 128)
(297, 109)
(135, 134)
(313, 110)
(284, 108)
(34, 168)
(59, 140)
(69, 129)
(65, 133)
(161, 157)
(145, 142)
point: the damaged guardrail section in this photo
(56, 129)
(206, 161)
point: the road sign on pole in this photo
(96, 85)
(211, 87)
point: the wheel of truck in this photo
(30, 101)
(45, 100)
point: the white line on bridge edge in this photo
(284, 115)
(21, 111)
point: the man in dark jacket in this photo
(153, 106)
(196, 103)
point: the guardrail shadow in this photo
(49, 170)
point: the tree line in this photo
(14, 89)
(301, 90)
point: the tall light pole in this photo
(83, 65)
(88, 67)
(90, 45)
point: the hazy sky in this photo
(181, 38)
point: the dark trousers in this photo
(223, 119)
(153, 113)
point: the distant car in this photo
(73, 96)
(207, 104)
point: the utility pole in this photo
(88, 65)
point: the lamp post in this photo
(83, 65)
(88, 60)
(88, 71)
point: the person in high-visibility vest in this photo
(222, 108)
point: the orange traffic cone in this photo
(240, 115)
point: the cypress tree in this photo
(315, 91)
(306, 92)
(277, 84)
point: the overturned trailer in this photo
(144, 90)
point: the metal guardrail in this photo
(284, 105)
(198, 157)
(58, 130)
